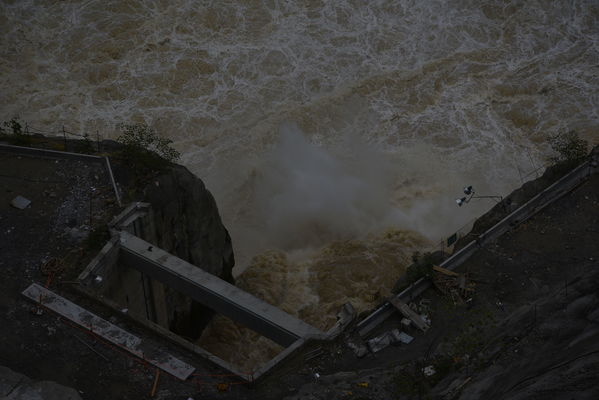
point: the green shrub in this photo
(144, 144)
(568, 146)
(13, 130)
(13, 125)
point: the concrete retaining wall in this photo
(530, 208)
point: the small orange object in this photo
(363, 384)
(222, 387)
(155, 385)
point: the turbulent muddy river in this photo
(335, 135)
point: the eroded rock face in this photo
(187, 222)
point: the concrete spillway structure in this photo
(211, 291)
(132, 275)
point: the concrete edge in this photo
(48, 153)
(346, 316)
(553, 192)
(132, 208)
(110, 246)
(113, 182)
(263, 371)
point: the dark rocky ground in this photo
(57, 226)
(531, 330)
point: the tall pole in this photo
(91, 197)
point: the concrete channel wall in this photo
(530, 208)
(127, 251)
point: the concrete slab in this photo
(108, 331)
(213, 292)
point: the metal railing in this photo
(447, 244)
(545, 197)
(18, 127)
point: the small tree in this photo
(14, 125)
(143, 143)
(14, 128)
(568, 146)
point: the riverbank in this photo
(535, 290)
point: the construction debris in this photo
(426, 319)
(455, 285)
(429, 370)
(378, 343)
(359, 349)
(401, 336)
(20, 202)
(409, 313)
(393, 336)
(445, 271)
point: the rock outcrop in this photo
(187, 222)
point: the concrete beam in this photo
(108, 331)
(212, 292)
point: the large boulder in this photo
(15, 386)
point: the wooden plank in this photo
(444, 271)
(108, 331)
(409, 313)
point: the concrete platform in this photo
(108, 331)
